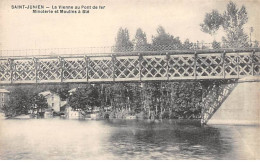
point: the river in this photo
(125, 139)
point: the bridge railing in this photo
(168, 65)
(133, 48)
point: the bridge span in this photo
(131, 66)
(219, 72)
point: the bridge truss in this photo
(133, 66)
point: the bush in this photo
(165, 115)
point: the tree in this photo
(19, 103)
(63, 92)
(212, 22)
(84, 97)
(7, 111)
(94, 95)
(123, 42)
(216, 45)
(165, 41)
(187, 44)
(79, 99)
(232, 21)
(140, 41)
(38, 102)
(256, 44)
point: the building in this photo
(4, 97)
(53, 100)
(73, 114)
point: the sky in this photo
(21, 29)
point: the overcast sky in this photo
(21, 29)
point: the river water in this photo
(125, 139)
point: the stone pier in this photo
(242, 106)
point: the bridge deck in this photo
(131, 66)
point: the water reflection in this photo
(124, 139)
(167, 141)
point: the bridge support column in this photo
(232, 102)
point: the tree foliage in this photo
(168, 41)
(123, 42)
(256, 44)
(187, 44)
(232, 21)
(61, 90)
(21, 101)
(83, 98)
(18, 103)
(216, 45)
(212, 22)
(140, 40)
(38, 102)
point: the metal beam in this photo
(118, 68)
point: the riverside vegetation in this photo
(145, 100)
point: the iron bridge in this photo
(131, 66)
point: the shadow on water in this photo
(167, 140)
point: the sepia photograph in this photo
(129, 80)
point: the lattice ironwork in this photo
(245, 64)
(154, 67)
(100, 68)
(256, 63)
(181, 66)
(209, 65)
(217, 94)
(231, 65)
(49, 69)
(74, 68)
(5, 70)
(127, 68)
(24, 70)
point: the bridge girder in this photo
(131, 67)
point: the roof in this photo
(46, 93)
(4, 91)
(63, 103)
(72, 90)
